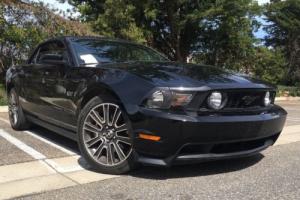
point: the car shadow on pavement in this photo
(55, 138)
(192, 170)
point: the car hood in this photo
(172, 74)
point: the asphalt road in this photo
(58, 172)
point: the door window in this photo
(55, 48)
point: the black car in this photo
(126, 104)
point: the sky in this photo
(55, 4)
(263, 1)
(64, 7)
(261, 33)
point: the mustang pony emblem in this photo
(249, 99)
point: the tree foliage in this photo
(226, 38)
(24, 25)
(112, 18)
(284, 33)
(269, 65)
(220, 30)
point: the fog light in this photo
(215, 100)
(267, 99)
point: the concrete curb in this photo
(3, 109)
(287, 99)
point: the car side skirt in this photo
(61, 131)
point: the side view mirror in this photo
(52, 59)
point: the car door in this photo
(31, 78)
(53, 63)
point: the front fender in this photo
(127, 88)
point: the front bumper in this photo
(192, 138)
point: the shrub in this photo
(3, 98)
(293, 91)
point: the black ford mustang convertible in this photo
(127, 104)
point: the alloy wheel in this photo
(106, 135)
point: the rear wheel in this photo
(17, 117)
(105, 137)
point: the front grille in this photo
(221, 148)
(244, 99)
(238, 102)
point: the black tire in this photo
(17, 117)
(97, 162)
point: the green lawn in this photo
(3, 98)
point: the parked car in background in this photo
(126, 104)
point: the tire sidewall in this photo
(123, 167)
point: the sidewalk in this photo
(3, 108)
(289, 134)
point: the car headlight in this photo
(165, 99)
(215, 100)
(267, 99)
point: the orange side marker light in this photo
(149, 137)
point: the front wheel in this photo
(105, 136)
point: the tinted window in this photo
(92, 51)
(52, 48)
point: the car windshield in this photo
(93, 51)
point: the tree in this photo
(219, 29)
(24, 25)
(226, 38)
(284, 33)
(112, 18)
(269, 65)
(173, 27)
